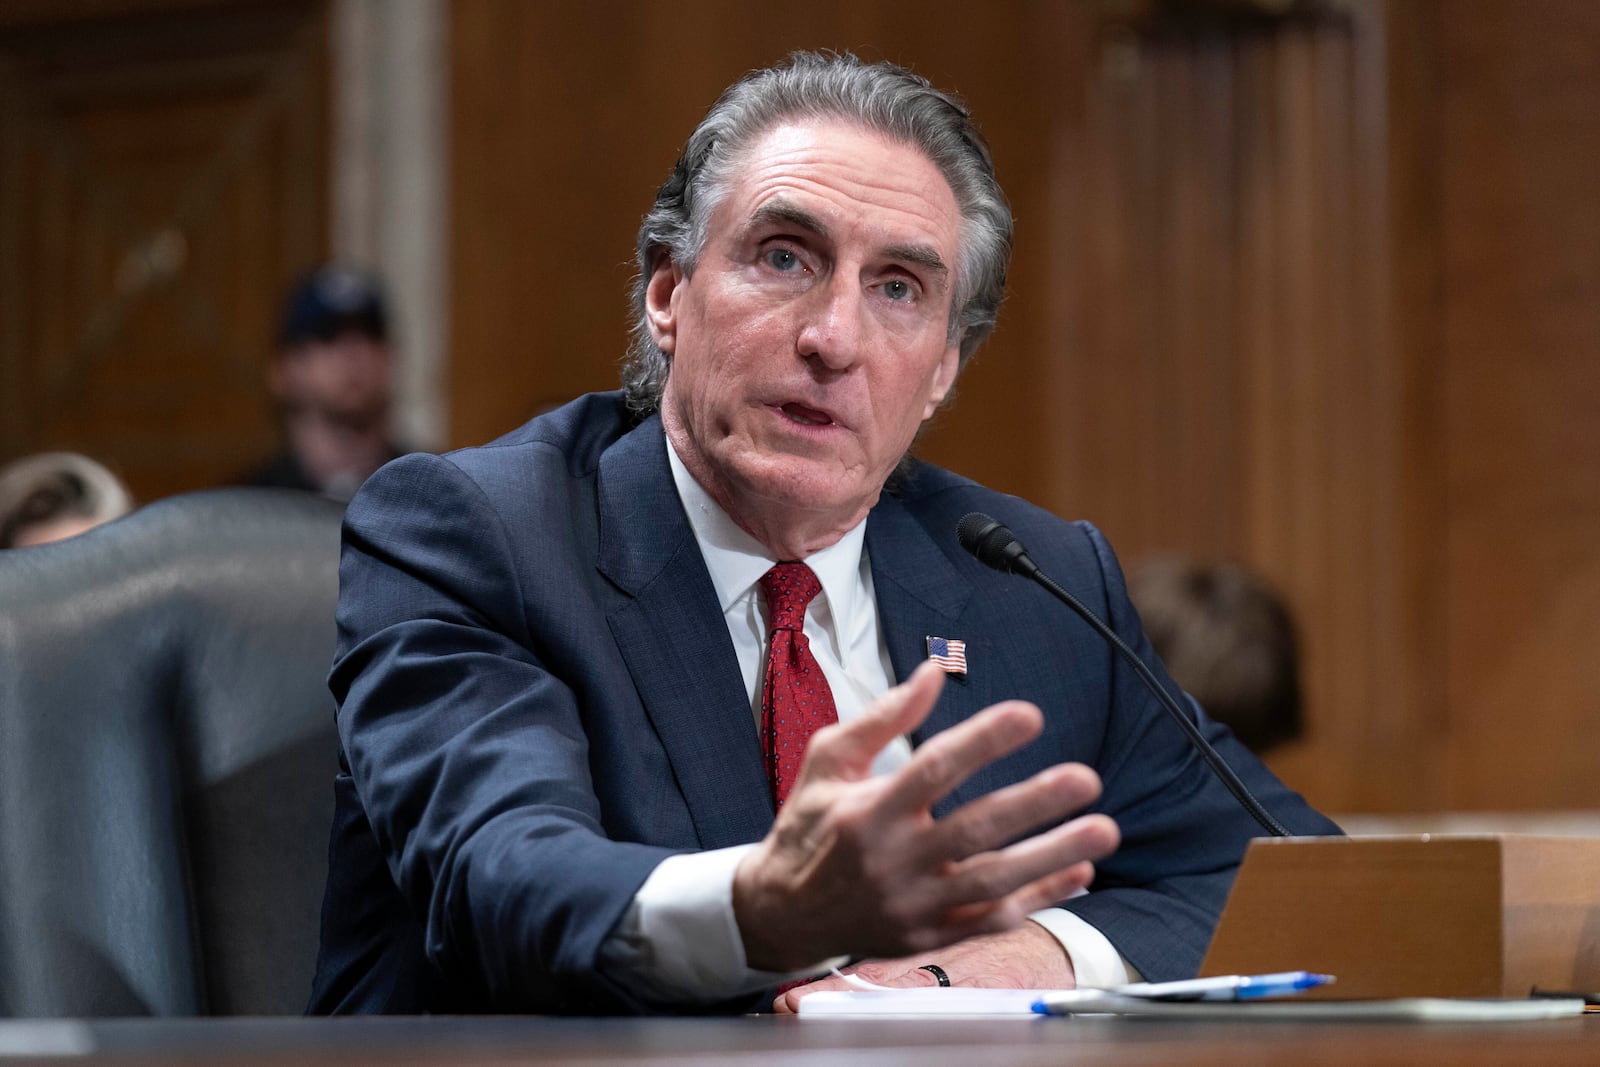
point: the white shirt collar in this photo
(737, 561)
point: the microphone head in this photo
(992, 544)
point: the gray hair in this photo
(810, 85)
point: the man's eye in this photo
(897, 290)
(782, 259)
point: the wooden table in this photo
(780, 1042)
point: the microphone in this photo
(997, 547)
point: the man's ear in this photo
(944, 376)
(659, 308)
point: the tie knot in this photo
(789, 588)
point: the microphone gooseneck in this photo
(997, 547)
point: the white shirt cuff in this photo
(679, 940)
(1096, 963)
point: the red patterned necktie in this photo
(795, 699)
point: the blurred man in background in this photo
(331, 379)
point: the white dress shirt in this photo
(679, 939)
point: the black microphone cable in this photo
(997, 547)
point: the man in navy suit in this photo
(618, 703)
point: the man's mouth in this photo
(806, 416)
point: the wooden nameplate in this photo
(1418, 916)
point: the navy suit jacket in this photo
(539, 701)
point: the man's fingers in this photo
(995, 891)
(846, 750)
(976, 920)
(1004, 815)
(950, 757)
(991, 876)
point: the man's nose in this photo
(831, 329)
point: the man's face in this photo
(343, 380)
(812, 339)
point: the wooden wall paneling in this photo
(1280, 477)
(1264, 423)
(1194, 496)
(13, 366)
(1402, 738)
(162, 150)
(1122, 448)
(1068, 274)
(1017, 69)
(1520, 117)
(1326, 389)
(1327, 457)
(1097, 249)
(1112, 451)
(538, 274)
(1202, 393)
(1285, 412)
(1026, 93)
(1295, 496)
(1358, 533)
(1404, 77)
(1235, 369)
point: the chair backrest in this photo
(167, 748)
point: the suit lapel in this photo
(921, 594)
(676, 643)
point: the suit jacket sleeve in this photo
(468, 751)
(1158, 897)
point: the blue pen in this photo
(1226, 987)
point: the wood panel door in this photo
(162, 176)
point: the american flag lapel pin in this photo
(951, 656)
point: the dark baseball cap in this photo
(330, 301)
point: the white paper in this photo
(922, 1002)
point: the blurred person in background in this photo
(330, 377)
(55, 495)
(1229, 640)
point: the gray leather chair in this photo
(167, 752)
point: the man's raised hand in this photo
(857, 865)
